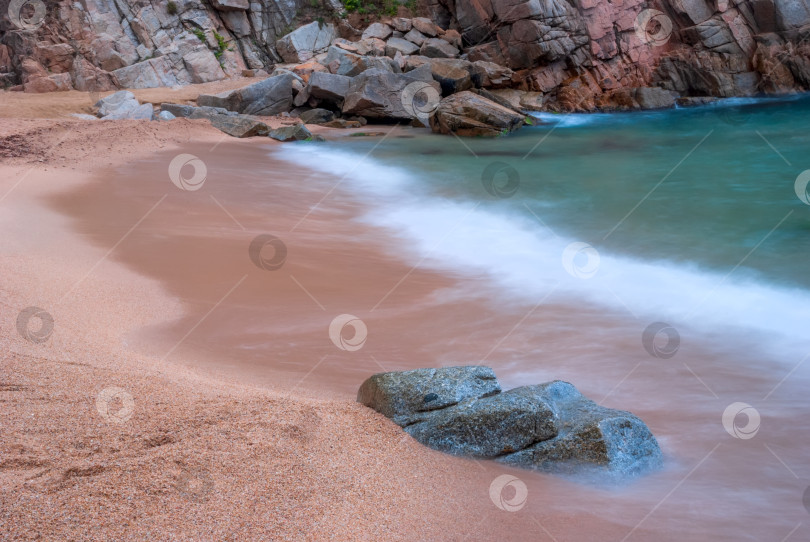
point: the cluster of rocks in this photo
(123, 105)
(550, 427)
(380, 77)
(574, 55)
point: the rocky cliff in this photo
(581, 54)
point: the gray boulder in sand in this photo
(487, 427)
(316, 116)
(240, 125)
(296, 132)
(117, 100)
(271, 96)
(192, 112)
(549, 427)
(139, 112)
(403, 395)
(589, 436)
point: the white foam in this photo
(525, 259)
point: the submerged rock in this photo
(550, 427)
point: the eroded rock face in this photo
(138, 43)
(550, 427)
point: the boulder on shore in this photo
(382, 94)
(550, 427)
(590, 436)
(271, 96)
(468, 114)
(403, 395)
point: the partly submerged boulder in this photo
(487, 427)
(550, 427)
(468, 114)
(589, 436)
(403, 395)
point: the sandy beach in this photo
(100, 442)
(186, 393)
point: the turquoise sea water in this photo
(689, 216)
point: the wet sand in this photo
(235, 376)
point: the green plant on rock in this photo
(352, 5)
(221, 45)
(199, 33)
(171, 8)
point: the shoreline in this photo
(210, 457)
